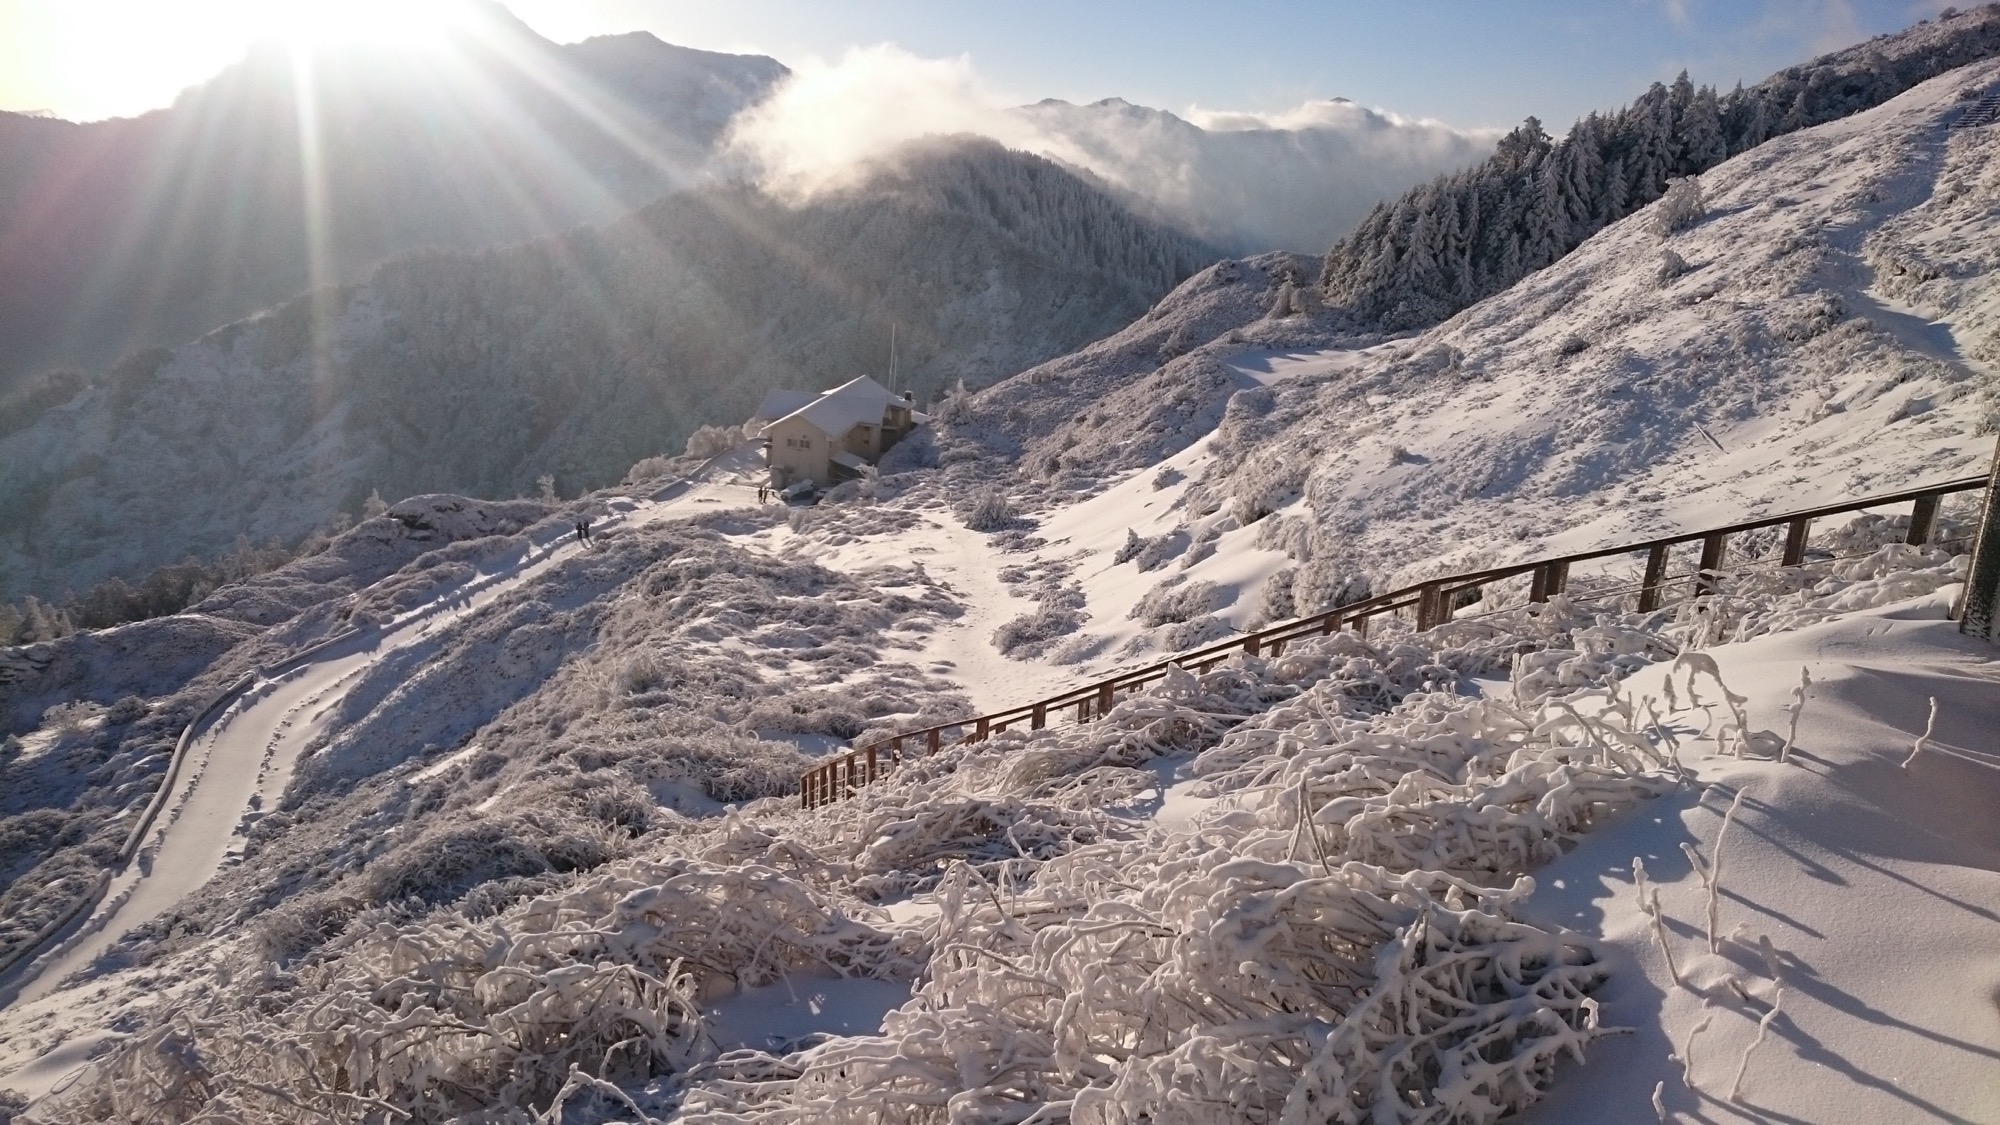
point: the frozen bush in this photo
(1029, 635)
(1680, 208)
(1174, 601)
(1274, 598)
(648, 469)
(1672, 265)
(1180, 636)
(126, 711)
(1151, 553)
(713, 441)
(990, 511)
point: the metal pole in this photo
(1979, 609)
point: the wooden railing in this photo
(1431, 601)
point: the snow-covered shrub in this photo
(648, 469)
(1680, 208)
(713, 441)
(1195, 632)
(1077, 648)
(1167, 477)
(1029, 635)
(1274, 597)
(1671, 266)
(990, 510)
(127, 710)
(73, 717)
(1175, 600)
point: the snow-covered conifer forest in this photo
(445, 815)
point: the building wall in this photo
(798, 451)
(865, 442)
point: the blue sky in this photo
(1463, 62)
(1468, 63)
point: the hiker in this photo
(586, 533)
(762, 492)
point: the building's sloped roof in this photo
(843, 457)
(853, 403)
(781, 402)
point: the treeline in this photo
(1442, 246)
(167, 590)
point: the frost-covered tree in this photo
(1443, 245)
(1681, 208)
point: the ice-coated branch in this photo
(1797, 706)
(1930, 727)
(1763, 1026)
(1715, 874)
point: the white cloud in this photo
(1296, 179)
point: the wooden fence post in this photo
(1039, 718)
(1429, 616)
(980, 730)
(871, 760)
(1107, 694)
(1331, 625)
(1250, 644)
(936, 739)
(1979, 608)
(1923, 517)
(1795, 541)
(1708, 579)
(1656, 576)
(1551, 578)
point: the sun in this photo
(306, 24)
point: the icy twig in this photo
(1660, 1101)
(1763, 1026)
(1695, 861)
(1649, 901)
(1930, 727)
(1798, 705)
(1687, 1047)
(1715, 874)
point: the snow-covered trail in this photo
(963, 650)
(240, 765)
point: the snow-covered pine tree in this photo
(1610, 165)
(1700, 144)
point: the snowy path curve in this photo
(237, 767)
(242, 762)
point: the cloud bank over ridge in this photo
(1293, 180)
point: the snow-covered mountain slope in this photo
(1824, 331)
(574, 357)
(447, 928)
(1373, 876)
(288, 171)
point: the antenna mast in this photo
(892, 356)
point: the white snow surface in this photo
(1875, 884)
(1202, 896)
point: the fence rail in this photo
(1432, 602)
